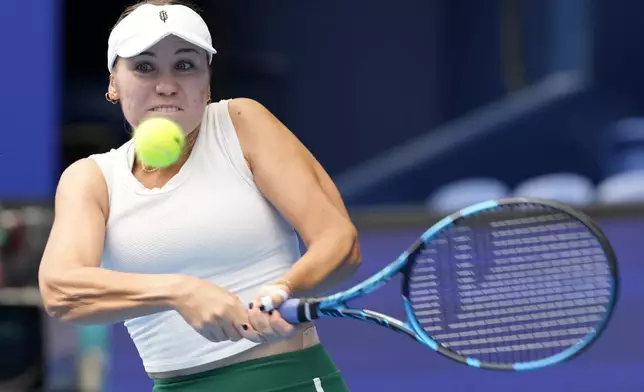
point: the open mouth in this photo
(166, 109)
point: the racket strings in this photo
(513, 285)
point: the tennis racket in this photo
(516, 284)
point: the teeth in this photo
(166, 109)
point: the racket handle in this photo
(291, 309)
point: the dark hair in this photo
(134, 6)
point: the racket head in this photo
(503, 297)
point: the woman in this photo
(178, 253)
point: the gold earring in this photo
(110, 100)
(208, 101)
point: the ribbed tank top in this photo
(209, 221)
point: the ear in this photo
(112, 91)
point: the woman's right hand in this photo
(217, 314)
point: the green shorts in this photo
(308, 370)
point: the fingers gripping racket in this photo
(515, 284)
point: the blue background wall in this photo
(29, 148)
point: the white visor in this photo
(149, 24)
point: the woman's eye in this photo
(184, 65)
(144, 67)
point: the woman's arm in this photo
(355, 257)
(295, 183)
(73, 286)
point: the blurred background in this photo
(415, 107)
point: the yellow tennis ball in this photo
(158, 142)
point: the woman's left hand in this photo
(264, 316)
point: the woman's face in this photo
(171, 80)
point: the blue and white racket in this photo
(515, 284)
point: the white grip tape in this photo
(267, 301)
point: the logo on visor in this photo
(163, 16)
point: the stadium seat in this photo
(568, 188)
(628, 130)
(625, 187)
(628, 160)
(462, 193)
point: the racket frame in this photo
(336, 305)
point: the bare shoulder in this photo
(255, 124)
(241, 108)
(78, 231)
(246, 113)
(83, 182)
(256, 127)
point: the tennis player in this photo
(194, 258)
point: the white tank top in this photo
(209, 221)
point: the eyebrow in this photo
(179, 51)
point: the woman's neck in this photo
(138, 169)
